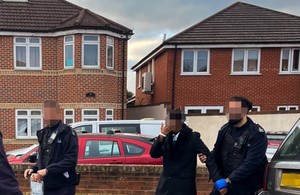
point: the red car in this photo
(99, 148)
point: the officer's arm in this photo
(156, 149)
(211, 162)
(70, 156)
(254, 158)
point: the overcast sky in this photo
(151, 19)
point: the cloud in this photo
(151, 19)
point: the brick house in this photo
(53, 49)
(241, 50)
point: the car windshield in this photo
(290, 149)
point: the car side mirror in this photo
(33, 157)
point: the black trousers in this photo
(65, 190)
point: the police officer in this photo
(8, 182)
(238, 159)
(179, 146)
(57, 155)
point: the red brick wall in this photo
(67, 86)
(267, 90)
(114, 179)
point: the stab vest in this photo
(234, 150)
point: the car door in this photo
(100, 150)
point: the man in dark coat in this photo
(58, 154)
(8, 182)
(179, 146)
(238, 159)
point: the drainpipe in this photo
(173, 79)
(123, 77)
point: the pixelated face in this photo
(235, 111)
(51, 115)
(174, 124)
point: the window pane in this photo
(90, 38)
(213, 111)
(90, 112)
(22, 127)
(188, 61)
(91, 55)
(69, 39)
(35, 125)
(110, 56)
(21, 56)
(290, 149)
(296, 60)
(34, 40)
(238, 64)
(69, 112)
(293, 108)
(90, 119)
(69, 120)
(36, 112)
(86, 128)
(34, 57)
(131, 149)
(202, 61)
(68, 55)
(22, 112)
(116, 150)
(109, 112)
(282, 108)
(20, 40)
(285, 60)
(195, 111)
(252, 60)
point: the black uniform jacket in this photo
(248, 176)
(63, 158)
(179, 162)
(8, 182)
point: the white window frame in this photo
(257, 107)
(287, 107)
(245, 65)
(27, 45)
(139, 78)
(69, 116)
(69, 43)
(195, 62)
(98, 54)
(203, 108)
(110, 44)
(83, 117)
(109, 117)
(28, 117)
(290, 64)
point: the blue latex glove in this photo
(220, 184)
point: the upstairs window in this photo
(290, 62)
(110, 53)
(245, 61)
(195, 62)
(90, 51)
(28, 122)
(27, 53)
(69, 51)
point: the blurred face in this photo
(51, 115)
(174, 124)
(235, 112)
